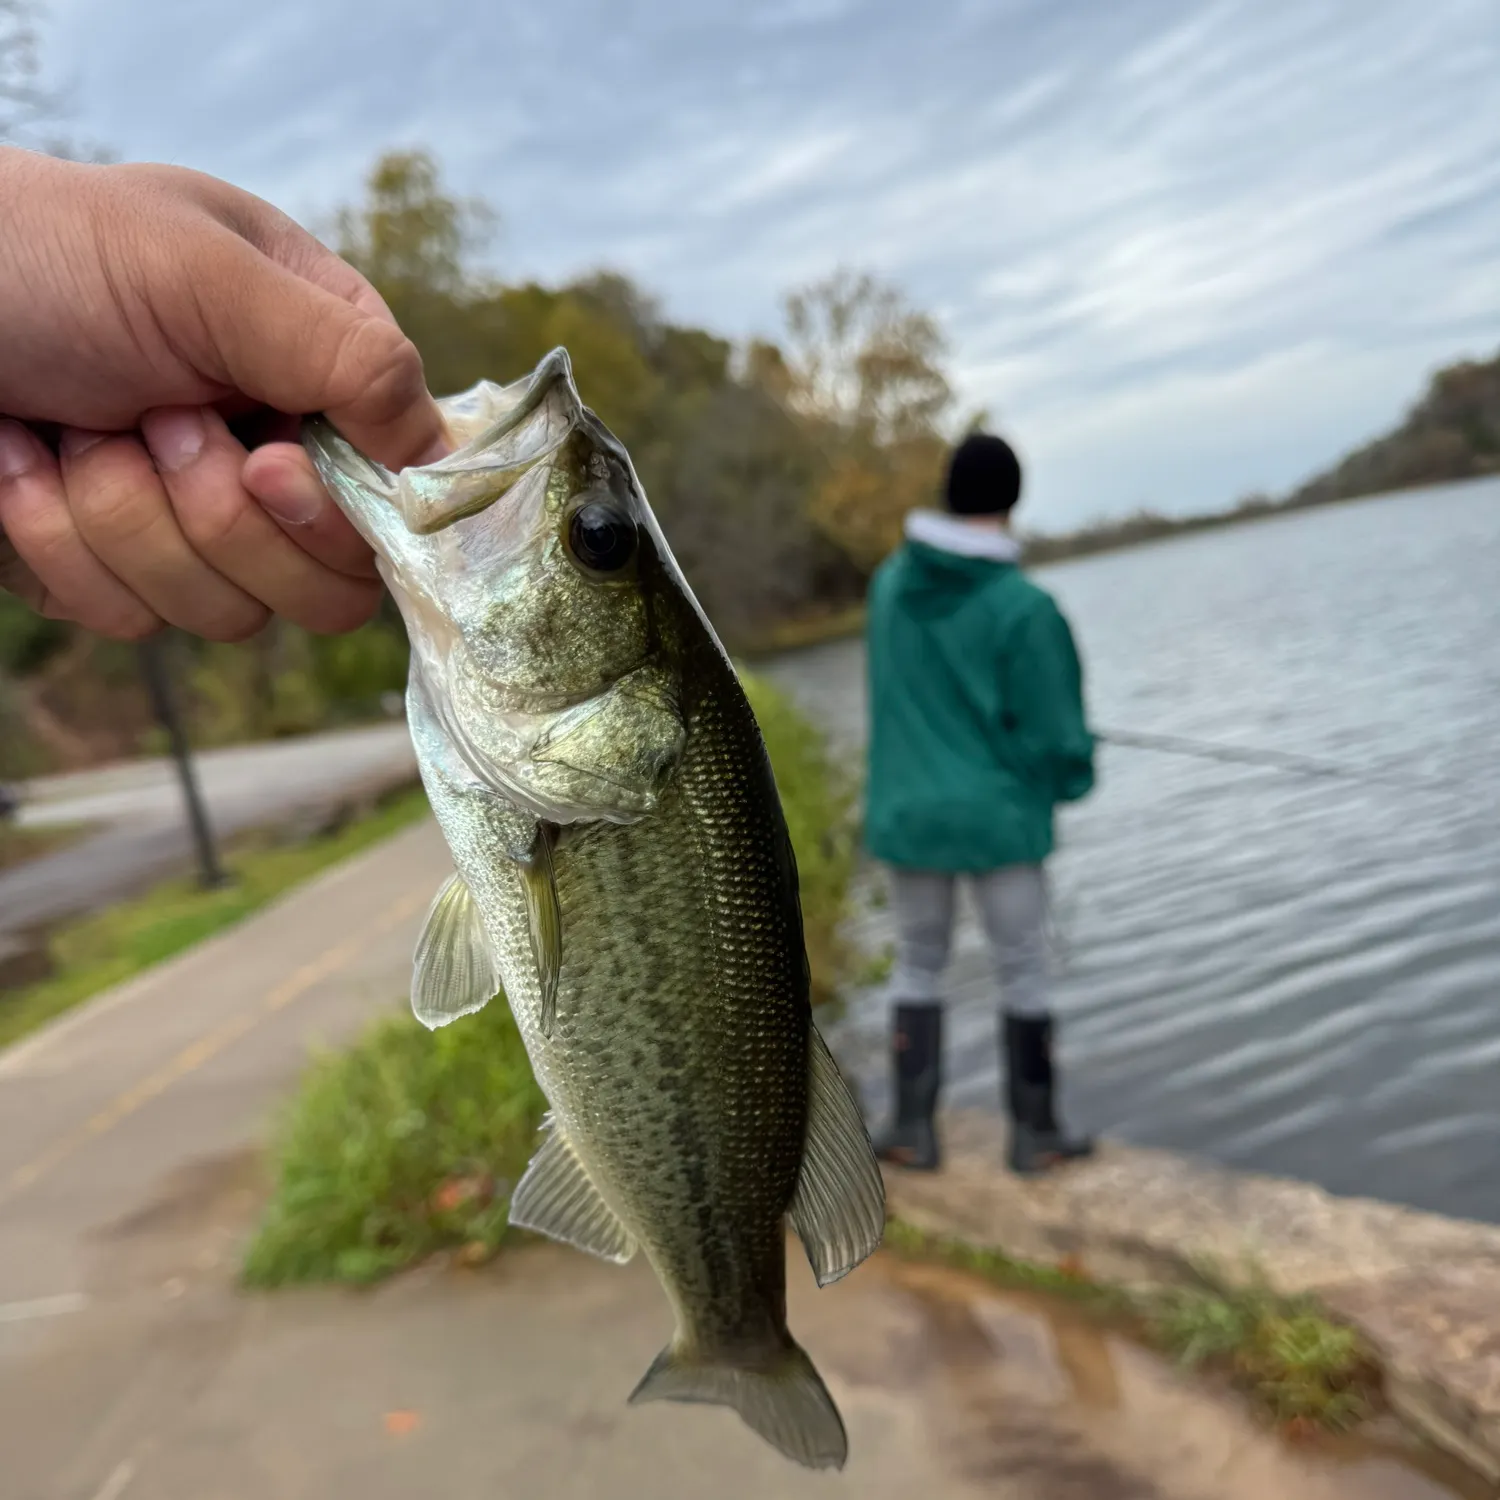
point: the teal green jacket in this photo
(977, 726)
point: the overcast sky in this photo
(1182, 251)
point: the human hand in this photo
(144, 309)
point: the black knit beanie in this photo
(984, 477)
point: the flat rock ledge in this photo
(1423, 1290)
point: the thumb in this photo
(300, 348)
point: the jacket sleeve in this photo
(1046, 680)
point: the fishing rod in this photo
(1277, 760)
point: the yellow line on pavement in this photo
(193, 1056)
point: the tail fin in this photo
(787, 1404)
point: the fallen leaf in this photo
(449, 1196)
(457, 1191)
(1300, 1430)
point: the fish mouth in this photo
(504, 434)
(507, 430)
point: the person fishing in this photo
(977, 732)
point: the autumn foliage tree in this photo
(866, 371)
(1453, 432)
(727, 460)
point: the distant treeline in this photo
(1452, 433)
(781, 471)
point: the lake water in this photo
(1291, 974)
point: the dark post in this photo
(158, 684)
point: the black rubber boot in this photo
(1037, 1141)
(910, 1140)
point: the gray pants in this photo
(1012, 904)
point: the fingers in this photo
(121, 510)
(316, 573)
(289, 245)
(55, 569)
(279, 236)
(281, 478)
(119, 544)
(16, 578)
(282, 339)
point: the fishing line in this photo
(1274, 760)
(1279, 760)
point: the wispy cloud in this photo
(1184, 251)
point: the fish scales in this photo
(679, 1028)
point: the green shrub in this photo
(356, 669)
(408, 1142)
(818, 797)
(1299, 1367)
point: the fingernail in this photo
(175, 437)
(299, 500)
(17, 451)
(76, 440)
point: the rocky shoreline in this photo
(1424, 1291)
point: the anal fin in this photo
(453, 974)
(556, 1197)
(838, 1209)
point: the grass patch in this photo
(98, 951)
(410, 1142)
(1006, 1271)
(407, 1143)
(18, 844)
(1301, 1369)
(819, 798)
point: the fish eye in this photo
(602, 538)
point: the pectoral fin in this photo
(545, 918)
(453, 974)
(838, 1209)
(556, 1197)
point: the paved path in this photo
(130, 1368)
(144, 834)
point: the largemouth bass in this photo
(624, 874)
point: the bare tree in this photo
(862, 358)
